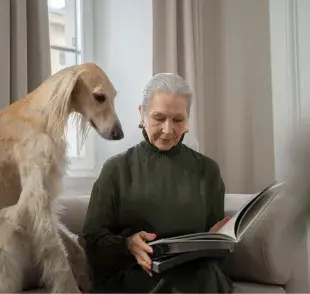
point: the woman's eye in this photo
(157, 118)
(178, 120)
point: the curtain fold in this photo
(24, 47)
(178, 46)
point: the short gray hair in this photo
(166, 82)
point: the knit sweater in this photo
(168, 193)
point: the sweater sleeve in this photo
(105, 241)
(217, 211)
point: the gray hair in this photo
(166, 82)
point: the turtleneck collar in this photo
(151, 149)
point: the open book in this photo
(168, 252)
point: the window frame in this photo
(84, 164)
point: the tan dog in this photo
(32, 163)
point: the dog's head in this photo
(93, 97)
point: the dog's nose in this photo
(117, 133)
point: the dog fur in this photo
(32, 164)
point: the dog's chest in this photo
(10, 186)
(32, 274)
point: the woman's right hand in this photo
(140, 249)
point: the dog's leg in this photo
(13, 252)
(77, 258)
(51, 254)
(39, 175)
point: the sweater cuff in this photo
(125, 234)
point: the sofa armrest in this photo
(267, 253)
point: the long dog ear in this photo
(59, 88)
(62, 84)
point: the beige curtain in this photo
(178, 47)
(222, 49)
(24, 47)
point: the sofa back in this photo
(75, 208)
(273, 251)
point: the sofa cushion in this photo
(256, 288)
(267, 252)
(73, 213)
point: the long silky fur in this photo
(32, 163)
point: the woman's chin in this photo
(164, 146)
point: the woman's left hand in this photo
(219, 224)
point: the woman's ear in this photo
(141, 111)
(141, 124)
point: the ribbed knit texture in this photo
(164, 192)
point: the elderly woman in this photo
(158, 188)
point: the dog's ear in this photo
(65, 81)
(60, 87)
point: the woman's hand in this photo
(140, 249)
(219, 224)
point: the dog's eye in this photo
(100, 97)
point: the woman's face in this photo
(165, 119)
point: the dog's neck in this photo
(49, 107)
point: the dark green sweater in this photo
(168, 193)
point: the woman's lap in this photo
(199, 276)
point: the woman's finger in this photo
(149, 272)
(139, 253)
(143, 246)
(143, 263)
(147, 236)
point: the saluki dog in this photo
(32, 164)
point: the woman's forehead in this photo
(168, 101)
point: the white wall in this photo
(123, 48)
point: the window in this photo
(66, 41)
(62, 58)
(65, 33)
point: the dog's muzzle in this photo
(116, 132)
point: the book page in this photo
(192, 238)
(229, 228)
(235, 227)
(232, 226)
(254, 210)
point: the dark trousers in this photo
(198, 276)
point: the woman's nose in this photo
(168, 128)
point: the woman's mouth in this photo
(166, 140)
